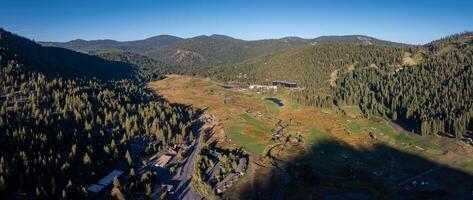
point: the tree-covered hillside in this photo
(100, 46)
(61, 133)
(58, 61)
(351, 39)
(432, 97)
(312, 66)
(204, 51)
(149, 69)
(219, 49)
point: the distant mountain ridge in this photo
(106, 45)
(352, 39)
(206, 50)
(56, 61)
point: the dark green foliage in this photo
(352, 39)
(149, 69)
(434, 97)
(61, 133)
(54, 61)
(100, 46)
(219, 49)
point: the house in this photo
(95, 188)
(226, 183)
(105, 181)
(241, 168)
(163, 160)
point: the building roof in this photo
(241, 165)
(95, 188)
(163, 160)
(105, 181)
(228, 180)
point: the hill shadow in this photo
(334, 170)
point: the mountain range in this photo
(208, 50)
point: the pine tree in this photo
(128, 158)
(86, 160)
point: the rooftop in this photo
(105, 181)
(163, 160)
(95, 188)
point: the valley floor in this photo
(283, 136)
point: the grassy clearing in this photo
(271, 106)
(317, 135)
(237, 134)
(327, 110)
(294, 105)
(468, 166)
(255, 122)
(387, 134)
(354, 127)
(249, 134)
(352, 111)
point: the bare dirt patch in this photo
(407, 59)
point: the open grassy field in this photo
(333, 144)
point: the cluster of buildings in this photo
(274, 85)
(230, 179)
(284, 84)
(262, 87)
(221, 184)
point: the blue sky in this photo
(414, 22)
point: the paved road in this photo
(182, 179)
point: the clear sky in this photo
(408, 21)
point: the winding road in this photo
(182, 179)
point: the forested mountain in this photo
(58, 61)
(314, 67)
(219, 49)
(60, 133)
(432, 97)
(149, 68)
(351, 39)
(208, 50)
(100, 46)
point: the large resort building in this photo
(285, 84)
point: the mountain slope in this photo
(219, 49)
(100, 46)
(58, 61)
(208, 50)
(351, 39)
(312, 65)
(148, 68)
(63, 132)
(433, 97)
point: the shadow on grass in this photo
(334, 170)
